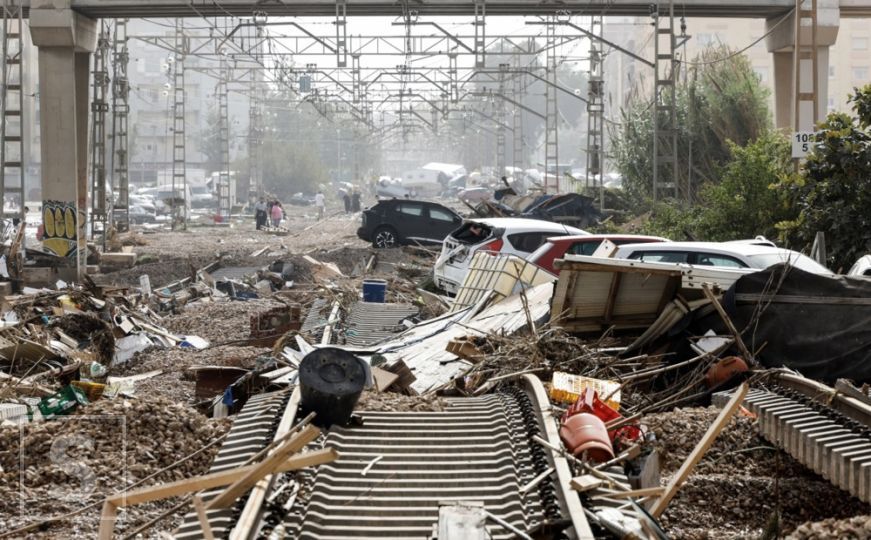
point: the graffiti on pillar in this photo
(59, 222)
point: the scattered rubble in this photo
(388, 402)
(113, 442)
(230, 321)
(852, 528)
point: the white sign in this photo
(145, 285)
(802, 142)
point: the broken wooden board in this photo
(592, 297)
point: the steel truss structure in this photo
(120, 113)
(12, 156)
(101, 203)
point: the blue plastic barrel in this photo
(374, 290)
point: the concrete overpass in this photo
(327, 8)
(65, 31)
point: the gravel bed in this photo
(56, 466)
(741, 481)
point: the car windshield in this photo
(802, 262)
(471, 233)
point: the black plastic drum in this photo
(331, 381)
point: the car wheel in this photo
(385, 237)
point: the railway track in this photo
(826, 431)
(395, 470)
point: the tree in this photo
(720, 101)
(834, 190)
(210, 140)
(748, 200)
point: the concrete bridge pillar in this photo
(65, 40)
(781, 43)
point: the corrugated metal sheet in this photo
(371, 322)
(499, 276)
(316, 319)
(423, 347)
(595, 293)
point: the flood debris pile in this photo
(62, 465)
(650, 422)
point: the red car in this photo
(558, 246)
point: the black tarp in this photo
(817, 325)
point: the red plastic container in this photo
(724, 369)
(585, 432)
(589, 402)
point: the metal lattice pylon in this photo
(221, 92)
(179, 156)
(12, 112)
(551, 130)
(120, 113)
(665, 183)
(255, 124)
(501, 114)
(595, 114)
(517, 119)
(101, 203)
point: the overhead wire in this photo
(745, 49)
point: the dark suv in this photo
(402, 221)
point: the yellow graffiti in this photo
(59, 246)
(70, 219)
(48, 220)
(60, 227)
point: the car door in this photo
(440, 223)
(411, 220)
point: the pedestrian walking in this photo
(347, 200)
(320, 203)
(277, 214)
(260, 213)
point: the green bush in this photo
(834, 191)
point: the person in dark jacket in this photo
(355, 201)
(346, 198)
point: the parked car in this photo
(392, 189)
(515, 236)
(146, 202)
(560, 246)
(136, 214)
(403, 221)
(475, 195)
(720, 254)
(201, 197)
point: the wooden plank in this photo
(213, 480)
(586, 482)
(699, 451)
(643, 492)
(251, 511)
(204, 519)
(267, 466)
(383, 378)
(107, 520)
(745, 352)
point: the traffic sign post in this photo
(802, 142)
